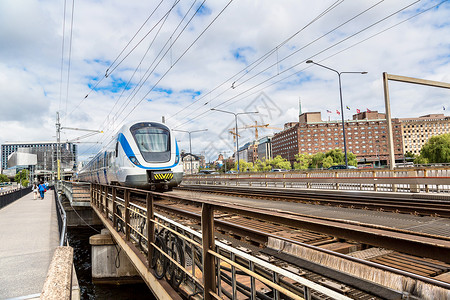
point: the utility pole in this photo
(58, 148)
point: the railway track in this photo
(255, 234)
(275, 238)
(407, 205)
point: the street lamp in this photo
(190, 143)
(342, 104)
(237, 134)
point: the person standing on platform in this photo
(35, 191)
(42, 189)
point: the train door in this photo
(105, 166)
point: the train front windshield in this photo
(153, 141)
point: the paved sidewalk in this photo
(28, 238)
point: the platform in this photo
(29, 236)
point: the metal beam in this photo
(386, 78)
(399, 78)
(160, 288)
(209, 269)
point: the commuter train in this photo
(142, 155)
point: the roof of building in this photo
(33, 143)
(429, 117)
(183, 155)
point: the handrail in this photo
(137, 224)
(405, 181)
(62, 219)
(13, 195)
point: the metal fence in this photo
(416, 180)
(12, 195)
(62, 218)
(193, 258)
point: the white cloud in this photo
(30, 57)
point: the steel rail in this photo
(196, 216)
(400, 241)
(421, 180)
(101, 201)
(263, 263)
(429, 207)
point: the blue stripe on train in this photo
(129, 152)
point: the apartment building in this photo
(366, 137)
(417, 131)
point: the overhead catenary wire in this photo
(62, 55)
(139, 83)
(149, 70)
(295, 52)
(260, 59)
(137, 68)
(149, 73)
(171, 46)
(336, 3)
(181, 56)
(123, 50)
(70, 57)
(105, 76)
(343, 50)
(318, 53)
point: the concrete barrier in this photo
(58, 284)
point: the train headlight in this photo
(134, 160)
(177, 159)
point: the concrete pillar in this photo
(414, 188)
(110, 265)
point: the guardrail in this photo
(405, 180)
(12, 195)
(78, 193)
(186, 256)
(62, 219)
(197, 261)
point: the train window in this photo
(153, 141)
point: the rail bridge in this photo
(195, 245)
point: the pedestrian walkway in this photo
(28, 238)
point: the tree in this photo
(278, 163)
(339, 157)
(4, 178)
(263, 166)
(303, 161)
(22, 177)
(227, 166)
(317, 160)
(409, 156)
(245, 166)
(436, 150)
(324, 160)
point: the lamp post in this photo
(190, 143)
(237, 134)
(342, 104)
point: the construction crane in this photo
(233, 132)
(256, 126)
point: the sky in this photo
(101, 63)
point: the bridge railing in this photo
(193, 258)
(422, 180)
(10, 196)
(78, 193)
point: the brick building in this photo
(417, 131)
(366, 137)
